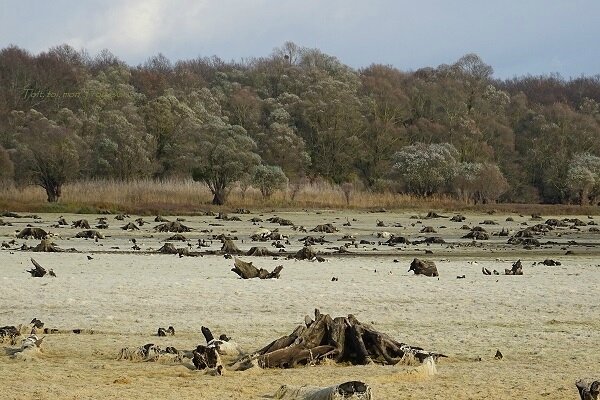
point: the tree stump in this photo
(81, 224)
(229, 247)
(517, 269)
(176, 227)
(421, 267)
(90, 234)
(36, 233)
(248, 271)
(46, 246)
(346, 390)
(343, 339)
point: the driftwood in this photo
(176, 227)
(394, 240)
(421, 267)
(229, 247)
(46, 246)
(38, 271)
(327, 228)
(169, 248)
(280, 221)
(36, 233)
(550, 262)
(307, 253)
(260, 252)
(177, 237)
(476, 235)
(347, 390)
(248, 271)
(342, 339)
(588, 391)
(160, 218)
(517, 269)
(90, 234)
(81, 224)
(130, 227)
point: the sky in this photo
(515, 37)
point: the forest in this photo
(298, 115)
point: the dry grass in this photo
(189, 197)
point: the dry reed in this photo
(189, 197)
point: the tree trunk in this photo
(219, 197)
(53, 191)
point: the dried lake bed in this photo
(545, 322)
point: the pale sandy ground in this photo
(545, 323)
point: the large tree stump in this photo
(36, 233)
(421, 267)
(346, 390)
(248, 271)
(343, 339)
(176, 227)
(229, 247)
(46, 246)
(81, 224)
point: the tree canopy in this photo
(65, 115)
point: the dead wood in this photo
(260, 252)
(177, 237)
(90, 234)
(46, 246)
(458, 218)
(229, 247)
(160, 219)
(517, 269)
(36, 233)
(130, 227)
(326, 228)
(428, 229)
(588, 391)
(248, 271)
(476, 235)
(347, 390)
(81, 224)
(280, 221)
(176, 227)
(423, 267)
(38, 271)
(343, 339)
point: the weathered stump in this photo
(517, 269)
(423, 267)
(36, 233)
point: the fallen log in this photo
(38, 271)
(346, 390)
(248, 271)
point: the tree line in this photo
(298, 115)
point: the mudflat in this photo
(544, 322)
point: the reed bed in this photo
(189, 197)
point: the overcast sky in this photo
(516, 37)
